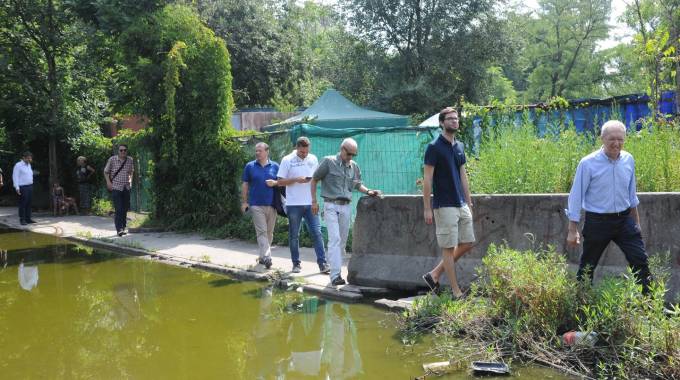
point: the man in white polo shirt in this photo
(295, 172)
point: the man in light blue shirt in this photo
(22, 179)
(604, 187)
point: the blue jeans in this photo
(25, 200)
(295, 215)
(121, 203)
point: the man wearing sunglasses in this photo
(118, 174)
(339, 176)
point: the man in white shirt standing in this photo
(22, 178)
(295, 172)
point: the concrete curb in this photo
(399, 305)
(335, 293)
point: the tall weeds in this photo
(525, 301)
(515, 160)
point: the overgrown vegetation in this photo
(514, 159)
(525, 301)
(102, 207)
(195, 164)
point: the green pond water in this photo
(71, 312)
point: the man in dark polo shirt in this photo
(257, 197)
(445, 177)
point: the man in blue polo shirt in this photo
(258, 198)
(605, 188)
(445, 176)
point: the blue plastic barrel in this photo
(579, 115)
(667, 102)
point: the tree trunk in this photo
(53, 89)
(54, 167)
(52, 86)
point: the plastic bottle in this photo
(575, 338)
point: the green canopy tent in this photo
(334, 111)
(388, 147)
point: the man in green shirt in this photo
(339, 176)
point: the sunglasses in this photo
(351, 154)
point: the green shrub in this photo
(532, 291)
(183, 78)
(102, 207)
(638, 339)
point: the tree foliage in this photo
(51, 87)
(261, 62)
(562, 48)
(438, 49)
(183, 73)
(656, 43)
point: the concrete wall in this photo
(392, 245)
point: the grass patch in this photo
(525, 300)
(513, 160)
(84, 234)
(144, 221)
(102, 207)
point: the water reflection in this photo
(115, 317)
(28, 276)
(305, 338)
(127, 307)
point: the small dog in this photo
(61, 203)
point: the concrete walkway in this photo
(231, 256)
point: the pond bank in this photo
(227, 256)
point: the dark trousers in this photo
(599, 230)
(121, 202)
(25, 200)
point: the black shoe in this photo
(31, 221)
(124, 231)
(338, 281)
(266, 261)
(431, 283)
(325, 268)
(121, 233)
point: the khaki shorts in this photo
(453, 226)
